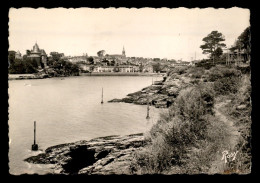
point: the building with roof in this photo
(39, 55)
(18, 55)
(118, 58)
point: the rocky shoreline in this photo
(27, 76)
(160, 94)
(103, 155)
(44, 75)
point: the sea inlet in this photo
(68, 110)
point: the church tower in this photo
(123, 52)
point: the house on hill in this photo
(118, 58)
(39, 55)
(18, 55)
(237, 56)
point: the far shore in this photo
(121, 74)
(35, 76)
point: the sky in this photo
(146, 32)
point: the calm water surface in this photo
(69, 110)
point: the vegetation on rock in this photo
(191, 136)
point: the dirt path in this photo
(218, 166)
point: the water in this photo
(70, 110)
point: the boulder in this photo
(115, 100)
(173, 91)
(103, 155)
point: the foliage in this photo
(189, 137)
(218, 52)
(243, 41)
(141, 68)
(16, 67)
(178, 70)
(91, 60)
(219, 72)
(56, 56)
(27, 66)
(226, 80)
(212, 44)
(11, 57)
(205, 63)
(245, 69)
(157, 67)
(243, 123)
(195, 72)
(177, 131)
(65, 68)
(101, 53)
(30, 66)
(226, 85)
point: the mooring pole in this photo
(34, 146)
(102, 97)
(148, 117)
(34, 133)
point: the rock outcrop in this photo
(103, 155)
(161, 94)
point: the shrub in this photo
(177, 131)
(179, 70)
(200, 158)
(219, 72)
(206, 63)
(154, 158)
(245, 69)
(226, 85)
(194, 102)
(196, 72)
(226, 80)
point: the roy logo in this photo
(227, 156)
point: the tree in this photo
(90, 60)
(30, 66)
(28, 52)
(211, 43)
(11, 57)
(25, 57)
(55, 56)
(101, 53)
(113, 63)
(243, 41)
(157, 67)
(141, 68)
(17, 67)
(218, 52)
(91, 69)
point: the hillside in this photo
(206, 129)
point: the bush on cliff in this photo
(27, 66)
(205, 63)
(188, 137)
(178, 70)
(219, 72)
(225, 79)
(195, 72)
(226, 85)
(177, 131)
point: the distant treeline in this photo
(56, 65)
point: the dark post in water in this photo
(102, 97)
(148, 117)
(34, 146)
